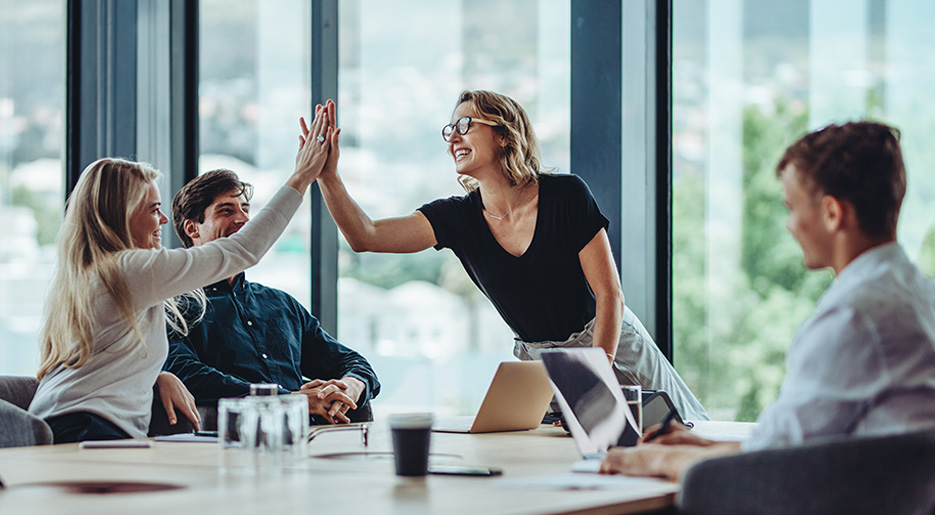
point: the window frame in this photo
(112, 109)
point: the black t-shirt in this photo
(543, 294)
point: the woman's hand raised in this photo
(331, 166)
(314, 146)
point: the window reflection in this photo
(749, 78)
(254, 84)
(433, 338)
(32, 92)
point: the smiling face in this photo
(147, 220)
(225, 216)
(478, 151)
(806, 220)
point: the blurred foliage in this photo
(46, 213)
(731, 343)
(391, 270)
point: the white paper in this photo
(573, 481)
(590, 466)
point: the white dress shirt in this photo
(864, 363)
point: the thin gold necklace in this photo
(495, 217)
(504, 215)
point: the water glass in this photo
(633, 394)
(295, 427)
(251, 434)
(264, 389)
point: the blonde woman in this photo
(535, 244)
(104, 339)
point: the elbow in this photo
(358, 245)
(364, 240)
(619, 300)
(611, 299)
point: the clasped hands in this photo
(332, 399)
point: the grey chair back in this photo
(18, 390)
(888, 474)
(18, 427)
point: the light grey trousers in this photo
(638, 361)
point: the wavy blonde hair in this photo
(520, 159)
(95, 229)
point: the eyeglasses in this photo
(463, 125)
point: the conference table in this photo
(340, 475)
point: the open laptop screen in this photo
(592, 403)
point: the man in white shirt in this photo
(864, 363)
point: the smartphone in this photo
(459, 470)
(207, 433)
(655, 408)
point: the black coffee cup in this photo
(412, 434)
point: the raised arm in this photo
(153, 276)
(404, 234)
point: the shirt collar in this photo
(240, 284)
(863, 266)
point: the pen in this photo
(666, 422)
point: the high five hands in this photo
(314, 149)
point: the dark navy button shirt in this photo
(255, 334)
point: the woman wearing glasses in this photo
(536, 244)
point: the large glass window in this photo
(433, 338)
(750, 77)
(255, 82)
(32, 94)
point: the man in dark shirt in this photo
(254, 334)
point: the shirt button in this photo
(264, 356)
(250, 323)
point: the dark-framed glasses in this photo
(463, 125)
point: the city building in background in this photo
(748, 77)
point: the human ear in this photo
(191, 229)
(832, 213)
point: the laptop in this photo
(516, 400)
(592, 404)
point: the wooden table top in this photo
(321, 485)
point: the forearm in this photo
(356, 226)
(608, 319)
(686, 456)
(206, 383)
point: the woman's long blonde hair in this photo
(95, 229)
(520, 159)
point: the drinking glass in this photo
(633, 394)
(251, 434)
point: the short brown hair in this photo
(194, 198)
(859, 162)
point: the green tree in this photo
(733, 353)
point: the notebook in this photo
(517, 399)
(592, 404)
